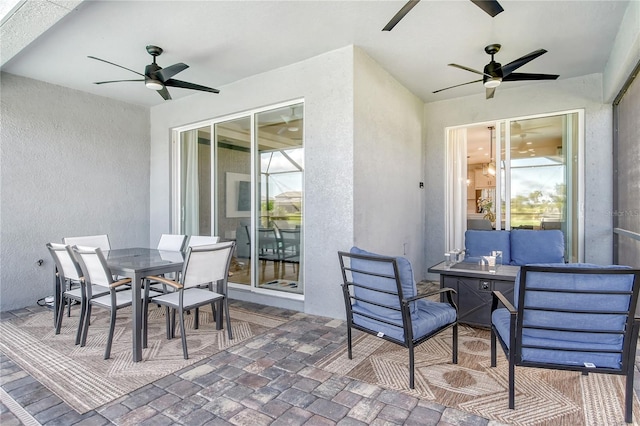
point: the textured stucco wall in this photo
(326, 84)
(388, 148)
(575, 93)
(72, 164)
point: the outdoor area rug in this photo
(85, 381)
(543, 397)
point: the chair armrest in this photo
(498, 297)
(431, 293)
(120, 282)
(166, 281)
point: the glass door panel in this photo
(538, 174)
(279, 220)
(195, 181)
(233, 187)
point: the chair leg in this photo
(173, 323)
(145, 322)
(85, 326)
(83, 311)
(226, 312)
(112, 327)
(183, 335)
(454, 347)
(493, 347)
(411, 366)
(628, 397)
(168, 322)
(59, 314)
(512, 385)
(196, 319)
(349, 351)
(214, 316)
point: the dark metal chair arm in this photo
(498, 297)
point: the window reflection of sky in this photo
(284, 174)
(536, 174)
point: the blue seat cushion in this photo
(500, 319)
(528, 246)
(482, 243)
(605, 320)
(405, 273)
(429, 316)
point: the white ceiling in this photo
(225, 41)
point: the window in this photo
(520, 173)
(247, 186)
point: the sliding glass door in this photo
(242, 178)
(521, 173)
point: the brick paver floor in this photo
(268, 380)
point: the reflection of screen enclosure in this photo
(244, 196)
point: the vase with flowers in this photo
(485, 205)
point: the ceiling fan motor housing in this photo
(493, 69)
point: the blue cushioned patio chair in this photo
(381, 298)
(578, 317)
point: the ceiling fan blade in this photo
(166, 73)
(457, 85)
(116, 81)
(514, 65)
(491, 92)
(519, 76)
(492, 7)
(164, 93)
(111, 63)
(462, 67)
(398, 16)
(185, 85)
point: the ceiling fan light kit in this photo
(157, 78)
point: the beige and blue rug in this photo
(543, 397)
(85, 381)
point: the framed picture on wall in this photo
(238, 195)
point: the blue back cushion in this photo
(482, 243)
(608, 303)
(405, 273)
(528, 246)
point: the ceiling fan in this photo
(494, 73)
(492, 7)
(158, 78)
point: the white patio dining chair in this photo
(171, 242)
(101, 241)
(204, 265)
(96, 272)
(69, 273)
(201, 240)
(168, 242)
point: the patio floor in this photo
(224, 392)
(221, 390)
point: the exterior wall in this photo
(580, 92)
(72, 164)
(326, 84)
(388, 202)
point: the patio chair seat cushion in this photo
(405, 272)
(428, 317)
(529, 246)
(574, 320)
(501, 319)
(482, 243)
